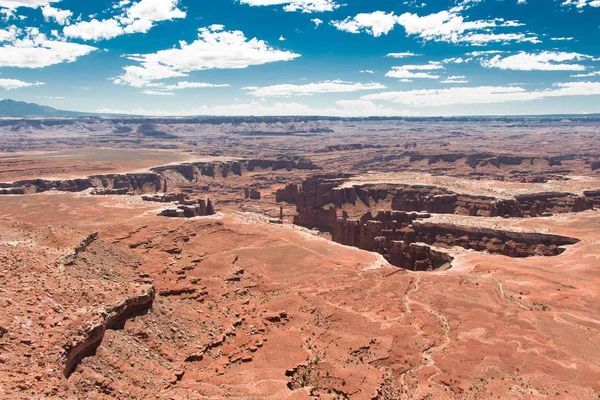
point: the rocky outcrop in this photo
(595, 165)
(351, 146)
(289, 194)
(85, 342)
(102, 184)
(129, 183)
(167, 198)
(478, 160)
(70, 257)
(323, 218)
(593, 196)
(155, 181)
(223, 169)
(252, 194)
(508, 243)
(554, 203)
(327, 191)
(415, 256)
(404, 239)
(190, 209)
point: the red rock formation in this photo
(397, 235)
(325, 191)
(289, 194)
(89, 339)
(255, 194)
(167, 198)
(323, 218)
(190, 209)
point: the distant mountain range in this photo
(21, 109)
(12, 108)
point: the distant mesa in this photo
(12, 108)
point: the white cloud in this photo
(306, 6)
(14, 4)
(580, 4)
(155, 10)
(336, 86)
(214, 49)
(402, 55)
(444, 26)
(455, 79)
(480, 39)
(448, 26)
(317, 22)
(588, 75)
(193, 85)
(9, 34)
(367, 71)
(376, 23)
(543, 61)
(140, 17)
(415, 71)
(10, 84)
(483, 94)
(62, 17)
(94, 30)
(36, 51)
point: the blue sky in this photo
(318, 57)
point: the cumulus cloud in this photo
(62, 17)
(415, 71)
(580, 4)
(35, 50)
(94, 29)
(214, 49)
(138, 17)
(309, 89)
(376, 23)
(305, 6)
(9, 34)
(14, 4)
(483, 94)
(444, 26)
(10, 84)
(543, 61)
(155, 10)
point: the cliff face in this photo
(326, 191)
(289, 194)
(190, 209)
(223, 169)
(323, 218)
(403, 238)
(102, 184)
(158, 180)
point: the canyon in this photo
(299, 258)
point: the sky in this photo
(303, 57)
